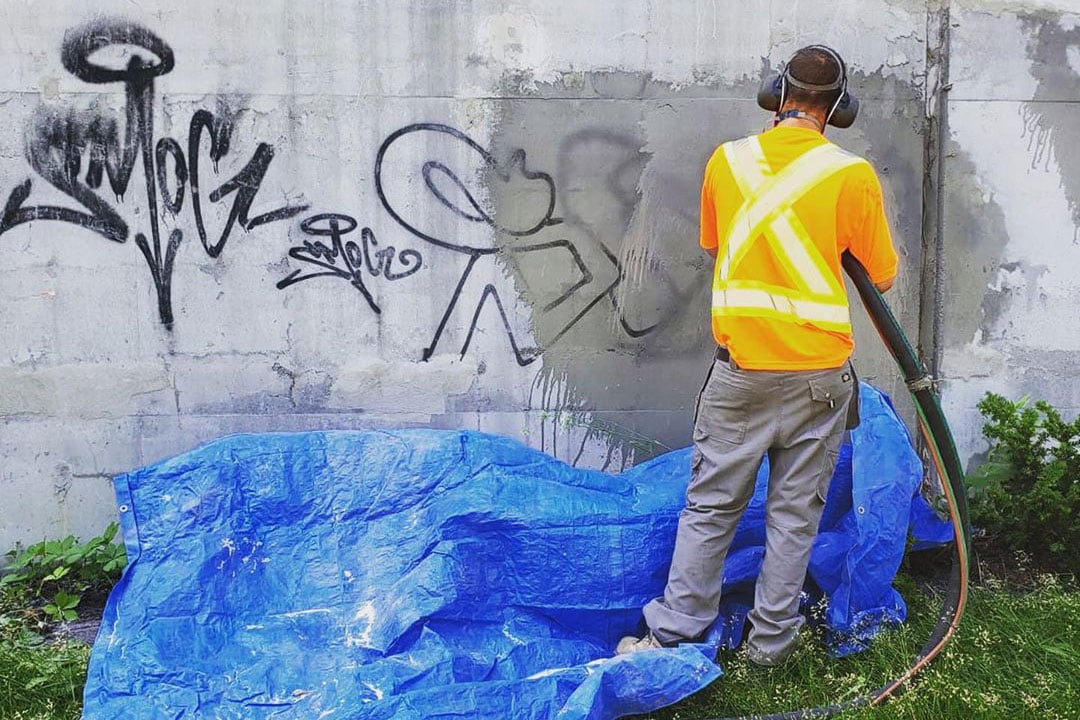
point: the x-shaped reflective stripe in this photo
(767, 210)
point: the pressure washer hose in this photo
(939, 441)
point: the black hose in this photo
(919, 382)
(943, 453)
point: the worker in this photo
(777, 211)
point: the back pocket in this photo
(724, 411)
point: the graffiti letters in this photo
(347, 260)
(61, 145)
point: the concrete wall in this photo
(470, 214)
(1010, 299)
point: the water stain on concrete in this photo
(1053, 124)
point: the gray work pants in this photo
(798, 419)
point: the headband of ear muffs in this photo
(773, 92)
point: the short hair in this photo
(814, 66)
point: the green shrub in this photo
(1027, 493)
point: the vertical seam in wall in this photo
(931, 290)
(932, 278)
(939, 195)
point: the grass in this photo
(39, 679)
(1015, 656)
(43, 682)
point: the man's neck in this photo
(803, 119)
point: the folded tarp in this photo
(434, 574)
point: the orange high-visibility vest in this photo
(777, 298)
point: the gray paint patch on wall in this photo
(975, 239)
(627, 167)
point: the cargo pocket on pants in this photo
(695, 458)
(828, 396)
(825, 478)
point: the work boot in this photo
(631, 644)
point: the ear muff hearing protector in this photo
(774, 89)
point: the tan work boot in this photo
(631, 644)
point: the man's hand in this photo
(884, 285)
(712, 252)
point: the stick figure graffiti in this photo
(467, 224)
(460, 183)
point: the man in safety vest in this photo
(777, 211)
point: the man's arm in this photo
(863, 227)
(707, 238)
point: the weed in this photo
(39, 681)
(42, 679)
(55, 574)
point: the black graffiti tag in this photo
(58, 144)
(347, 259)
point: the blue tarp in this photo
(435, 574)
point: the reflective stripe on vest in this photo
(767, 212)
